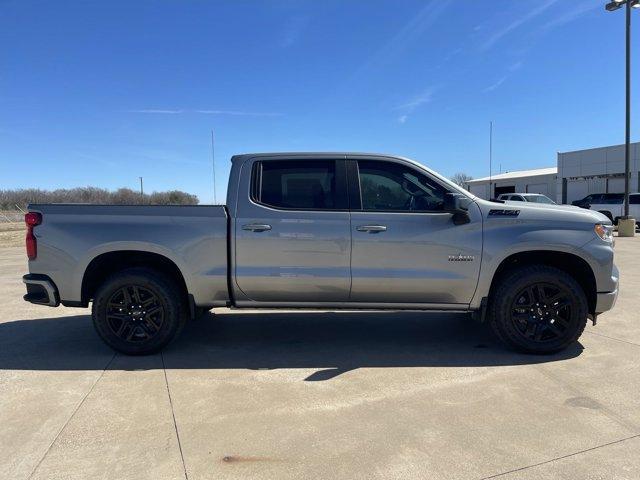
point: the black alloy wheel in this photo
(541, 312)
(134, 313)
(138, 311)
(538, 309)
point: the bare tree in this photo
(461, 178)
(10, 198)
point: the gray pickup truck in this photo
(326, 231)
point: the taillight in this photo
(32, 219)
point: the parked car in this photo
(612, 206)
(598, 198)
(526, 197)
(328, 231)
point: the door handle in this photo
(256, 227)
(371, 228)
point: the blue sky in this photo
(99, 93)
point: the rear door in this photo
(405, 247)
(292, 231)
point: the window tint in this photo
(634, 199)
(612, 198)
(300, 184)
(517, 198)
(389, 186)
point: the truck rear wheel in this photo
(138, 311)
(538, 309)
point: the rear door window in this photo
(612, 198)
(298, 185)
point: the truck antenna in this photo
(213, 164)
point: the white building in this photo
(539, 180)
(578, 174)
(596, 170)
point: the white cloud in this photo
(424, 97)
(414, 103)
(575, 11)
(239, 113)
(293, 30)
(408, 34)
(208, 112)
(497, 36)
(156, 110)
(492, 87)
(515, 66)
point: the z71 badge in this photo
(461, 258)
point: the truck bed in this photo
(194, 238)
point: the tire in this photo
(120, 314)
(538, 309)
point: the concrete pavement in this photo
(317, 395)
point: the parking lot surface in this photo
(274, 395)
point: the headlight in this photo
(605, 232)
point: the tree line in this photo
(123, 196)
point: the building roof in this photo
(517, 174)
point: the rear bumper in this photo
(41, 290)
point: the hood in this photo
(570, 208)
(546, 211)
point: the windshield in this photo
(541, 199)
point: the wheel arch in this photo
(570, 263)
(108, 263)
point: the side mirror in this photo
(458, 205)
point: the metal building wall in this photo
(596, 170)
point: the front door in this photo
(406, 249)
(292, 232)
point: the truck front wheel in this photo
(538, 309)
(138, 311)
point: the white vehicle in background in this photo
(526, 197)
(613, 206)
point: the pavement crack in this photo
(579, 452)
(613, 338)
(173, 414)
(75, 410)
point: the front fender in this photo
(504, 238)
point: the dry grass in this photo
(11, 237)
(11, 233)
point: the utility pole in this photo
(213, 165)
(141, 189)
(490, 155)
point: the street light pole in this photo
(610, 7)
(627, 139)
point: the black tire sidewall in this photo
(514, 283)
(159, 285)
